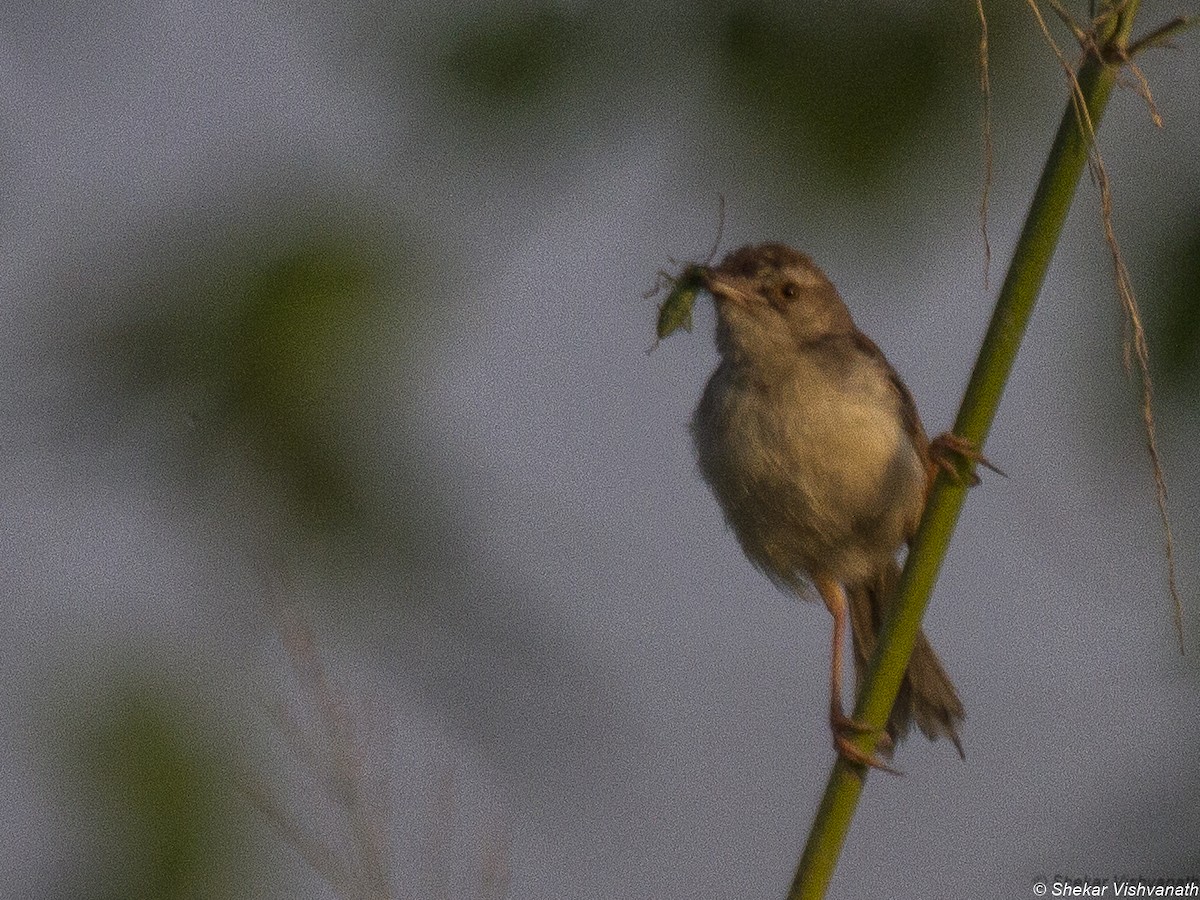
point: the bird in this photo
(813, 448)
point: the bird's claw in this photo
(843, 728)
(946, 449)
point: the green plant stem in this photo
(1031, 258)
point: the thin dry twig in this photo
(1161, 36)
(1142, 88)
(495, 874)
(1078, 104)
(320, 730)
(1135, 344)
(319, 856)
(720, 229)
(985, 87)
(1141, 350)
(441, 830)
(346, 780)
(1117, 53)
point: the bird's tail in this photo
(926, 695)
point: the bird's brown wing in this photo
(908, 407)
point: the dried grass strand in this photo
(985, 89)
(1134, 344)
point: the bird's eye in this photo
(790, 291)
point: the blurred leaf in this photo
(857, 92)
(267, 343)
(513, 58)
(280, 352)
(164, 792)
(1175, 338)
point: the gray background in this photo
(561, 672)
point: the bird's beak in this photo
(727, 287)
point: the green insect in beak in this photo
(675, 312)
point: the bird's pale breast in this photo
(821, 476)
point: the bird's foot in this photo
(946, 450)
(843, 728)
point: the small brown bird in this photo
(812, 445)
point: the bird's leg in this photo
(840, 724)
(947, 448)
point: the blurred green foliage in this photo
(264, 334)
(857, 94)
(280, 352)
(161, 782)
(267, 343)
(512, 59)
(1174, 295)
